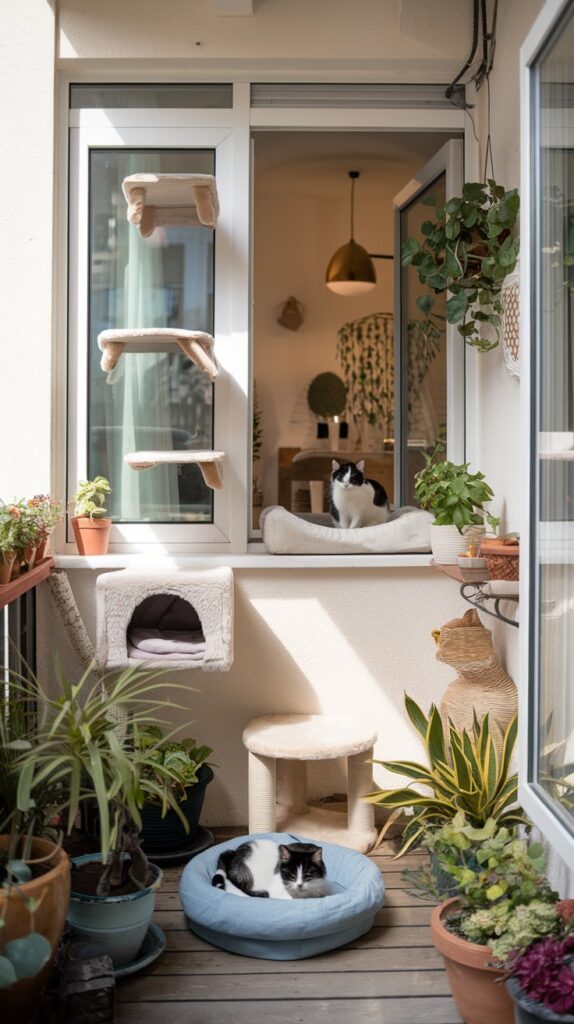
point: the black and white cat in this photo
(355, 501)
(262, 867)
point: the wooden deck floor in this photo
(393, 975)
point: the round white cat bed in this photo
(283, 929)
(406, 530)
(279, 746)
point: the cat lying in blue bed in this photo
(278, 871)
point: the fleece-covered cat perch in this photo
(186, 200)
(196, 345)
(182, 619)
(279, 747)
(406, 530)
(208, 462)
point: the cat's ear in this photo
(284, 853)
(361, 466)
(317, 856)
(335, 465)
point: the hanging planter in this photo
(468, 249)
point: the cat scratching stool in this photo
(292, 740)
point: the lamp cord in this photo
(352, 209)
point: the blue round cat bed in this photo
(283, 929)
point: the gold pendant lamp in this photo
(351, 270)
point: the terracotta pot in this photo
(92, 535)
(477, 989)
(41, 550)
(6, 566)
(20, 1002)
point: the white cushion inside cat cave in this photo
(177, 620)
(406, 530)
(283, 929)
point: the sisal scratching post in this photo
(261, 793)
(293, 740)
(361, 816)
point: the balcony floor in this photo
(393, 975)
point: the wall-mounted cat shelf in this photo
(208, 462)
(185, 200)
(196, 345)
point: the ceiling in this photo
(317, 163)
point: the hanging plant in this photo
(365, 350)
(468, 249)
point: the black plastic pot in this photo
(527, 1012)
(163, 835)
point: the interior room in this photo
(302, 211)
(286, 491)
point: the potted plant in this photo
(8, 539)
(90, 524)
(166, 833)
(457, 498)
(86, 744)
(498, 875)
(47, 514)
(464, 772)
(540, 972)
(26, 532)
(34, 872)
(468, 249)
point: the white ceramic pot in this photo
(447, 543)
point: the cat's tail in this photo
(219, 880)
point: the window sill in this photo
(256, 558)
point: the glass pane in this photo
(554, 253)
(150, 96)
(424, 350)
(157, 400)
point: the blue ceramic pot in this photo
(527, 1012)
(117, 925)
(166, 835)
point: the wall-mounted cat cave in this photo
(184, 200)
(177, 620)
(208, 462)
(196, 345)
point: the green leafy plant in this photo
(327, 395)
(365, 350)
(469, 248)
(85, 749)
(89, 499)
(455, 496)
(504, 900)
(182, 758)
(465, 772)
(9, 534)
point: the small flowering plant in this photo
(45, 512)
(544, 968)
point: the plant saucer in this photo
(201, 841)
(151, 948)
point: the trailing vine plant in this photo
(468, 249)
(365, 350)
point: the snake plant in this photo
(465, 772)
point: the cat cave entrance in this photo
(183, 620)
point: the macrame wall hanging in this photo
(511, 322)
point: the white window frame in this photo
(232, 130)
(538, 805)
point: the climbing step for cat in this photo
(208, 462)
(180, 200)
(196, 345)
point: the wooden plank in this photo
(219, 962)
(170, 901)
(378, 938)
(25, 581)
(430, 1010)
(174, 920)
(296, 985)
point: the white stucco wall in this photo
(332, 641)
(27, 42)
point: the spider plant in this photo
(86, 749)
(465, 772)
